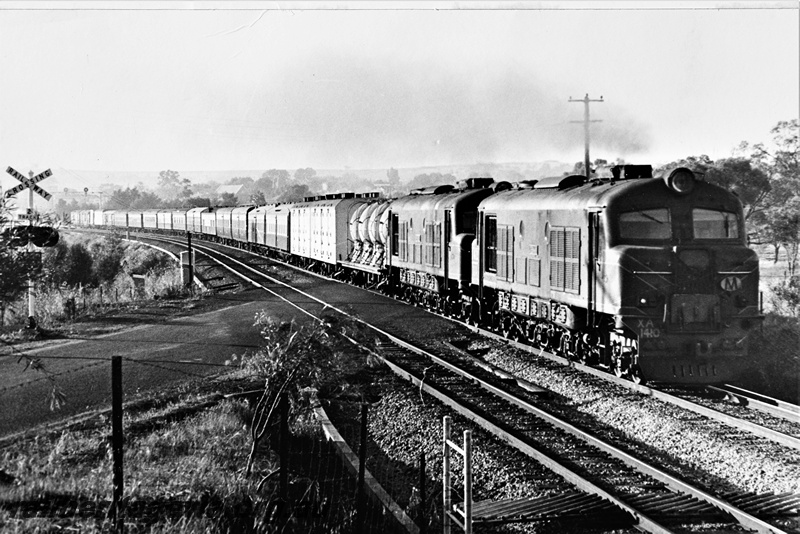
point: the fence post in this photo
(468, 482)
(362, 460)
(422, 519)
(283, 482)
(116, 440)
(446, 482)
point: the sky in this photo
(194, 86)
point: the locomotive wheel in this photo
(637, 377)
(466, 313)
(617, 367)
(510, 330)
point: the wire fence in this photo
(177, 480)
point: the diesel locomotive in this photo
(648, 277)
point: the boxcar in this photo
(120, 219)
(223, 223)
(179, 220)
(239, 225)
(164, 220)
(208, 223)
(108, 217)
(135, 219)
(193, 220)
(150, 219)
(320, 227)
(269, 226)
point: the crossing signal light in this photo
(41, 236)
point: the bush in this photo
(786, 296)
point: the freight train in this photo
(648, 277)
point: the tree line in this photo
(764, 176)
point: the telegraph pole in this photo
(586, 122)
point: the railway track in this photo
(761, 416)
(648, 495)
(780, 426)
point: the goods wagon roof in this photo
(326, 202)
(272, 208)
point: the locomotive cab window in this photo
(713, 224)
(490, 244)
(645, 224)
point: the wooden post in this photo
(362, 460)
(283, 482)
(468, 482)
(116, 439)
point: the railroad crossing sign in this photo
(28, 182)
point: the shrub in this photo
(786, 296)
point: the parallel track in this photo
(675, 398)
(644, 492)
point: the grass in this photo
(182, 473)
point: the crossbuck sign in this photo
(28, 182)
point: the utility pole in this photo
(586, 122)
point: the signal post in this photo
(30, 184)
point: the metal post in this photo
(31, 296)
(422, 520)
(116, 438)
(362, 460)
(468, 482)
(191, 260)
(446, 481)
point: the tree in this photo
(295, 193)
(258, 198)
(198, 202)
(107, 263)
(276, 178)
(781, 164)
(750, 184)
(68, 264)
(227, 199)
(147, 200)
(123, 198)
(172, 186)
(17, 267)
(304, 175)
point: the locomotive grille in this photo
(565, 246)
(695, 313)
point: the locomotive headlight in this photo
(681, 180)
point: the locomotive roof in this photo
(604, 194)
(439, 198)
